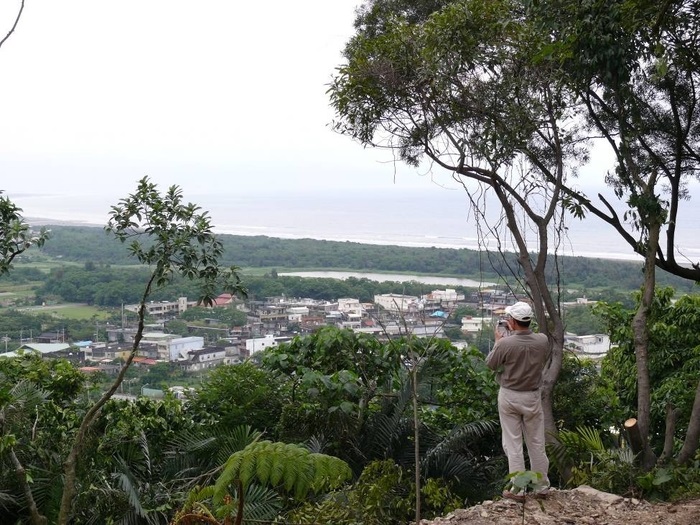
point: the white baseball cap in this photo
(520, 311)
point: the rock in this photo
(605, 497)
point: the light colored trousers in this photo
(521, 416)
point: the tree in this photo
(633, 67)
(14, 25)
(673, 366)
(171, 238)
(290, 470)
(456, 84)
(241, 394)
(16, 236)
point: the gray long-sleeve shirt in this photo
(518, 360)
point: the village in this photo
(277, 320)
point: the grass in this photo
(18, 290)
(73, 311)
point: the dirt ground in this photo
(580, 506)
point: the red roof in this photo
(223, 299)
(89, 369)
(144, 361)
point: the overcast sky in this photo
(97, 93)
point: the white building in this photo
(296, 313)
(39, 348)
(448, 295)
(204, 358)
(164, 308)
(594, 346)
(473, 325)
(260, 343)
(396, 303)
(350, 306)
(177, 348)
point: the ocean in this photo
(394, 216)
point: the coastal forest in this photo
(91, 246)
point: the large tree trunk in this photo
(640, 333)
(692, 435)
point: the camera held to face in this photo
(502, 326)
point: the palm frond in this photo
(25, 396)
(128, 485)
(197, 456)
(7, 500)
(316, 443)
(260, 504)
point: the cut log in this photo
(634, 436)
(641, 450)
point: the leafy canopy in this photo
(172, 237)
(15, 234)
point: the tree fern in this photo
(290, 468)
(263, 467)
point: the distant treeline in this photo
(92, 244)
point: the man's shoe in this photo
(541, 493)
(515, 496)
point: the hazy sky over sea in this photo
(98, 93)
(215, 95)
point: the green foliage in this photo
(527, 481)
(90, 244)
(592, 462)
(596, 461)
(172, 238)
(383, 495)
(670, 482)
(581, 379)
(288, 468)
(581, 320)
(465, 392)
(58, 377)
(15, 234)
(237, 395)
(674, 357)
(335, 375)
(227, 315)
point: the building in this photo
(594, 346)
(203, 359)
(177, 348)
(45, 349)
(472, 325)
(164, 309)
(447, 299)
(261, 343)
(295, 314)
(398, 303)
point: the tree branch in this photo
(14, 26)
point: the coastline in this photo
(449, 243)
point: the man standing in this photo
(518, 360)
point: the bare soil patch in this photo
(580, 506)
